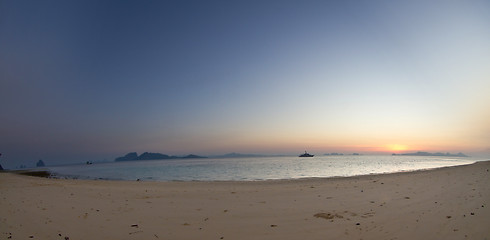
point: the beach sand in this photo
(447, 203)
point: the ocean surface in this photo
(254, 169)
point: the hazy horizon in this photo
(94, 80)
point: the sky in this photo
(94, 80)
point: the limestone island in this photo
(133, 156)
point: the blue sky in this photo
(91, 80)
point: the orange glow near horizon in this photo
(397, 147)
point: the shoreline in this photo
(46, 173)
(443, 203)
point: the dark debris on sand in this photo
(40, 173)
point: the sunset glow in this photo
(93, 80)
(396, 148)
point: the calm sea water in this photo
(252, 169)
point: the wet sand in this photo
(448, 203)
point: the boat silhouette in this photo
(306, 155)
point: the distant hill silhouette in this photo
(128, 157)
(40, 163)
(431, 154)
(133, 156)
(152, 156)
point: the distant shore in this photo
(446, 203)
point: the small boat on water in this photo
(306, 155)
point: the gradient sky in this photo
(93, 80)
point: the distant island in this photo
(133, 156)
(40, 163)
(431, 154)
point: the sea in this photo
(255, 169)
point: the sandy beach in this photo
(447, 203)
